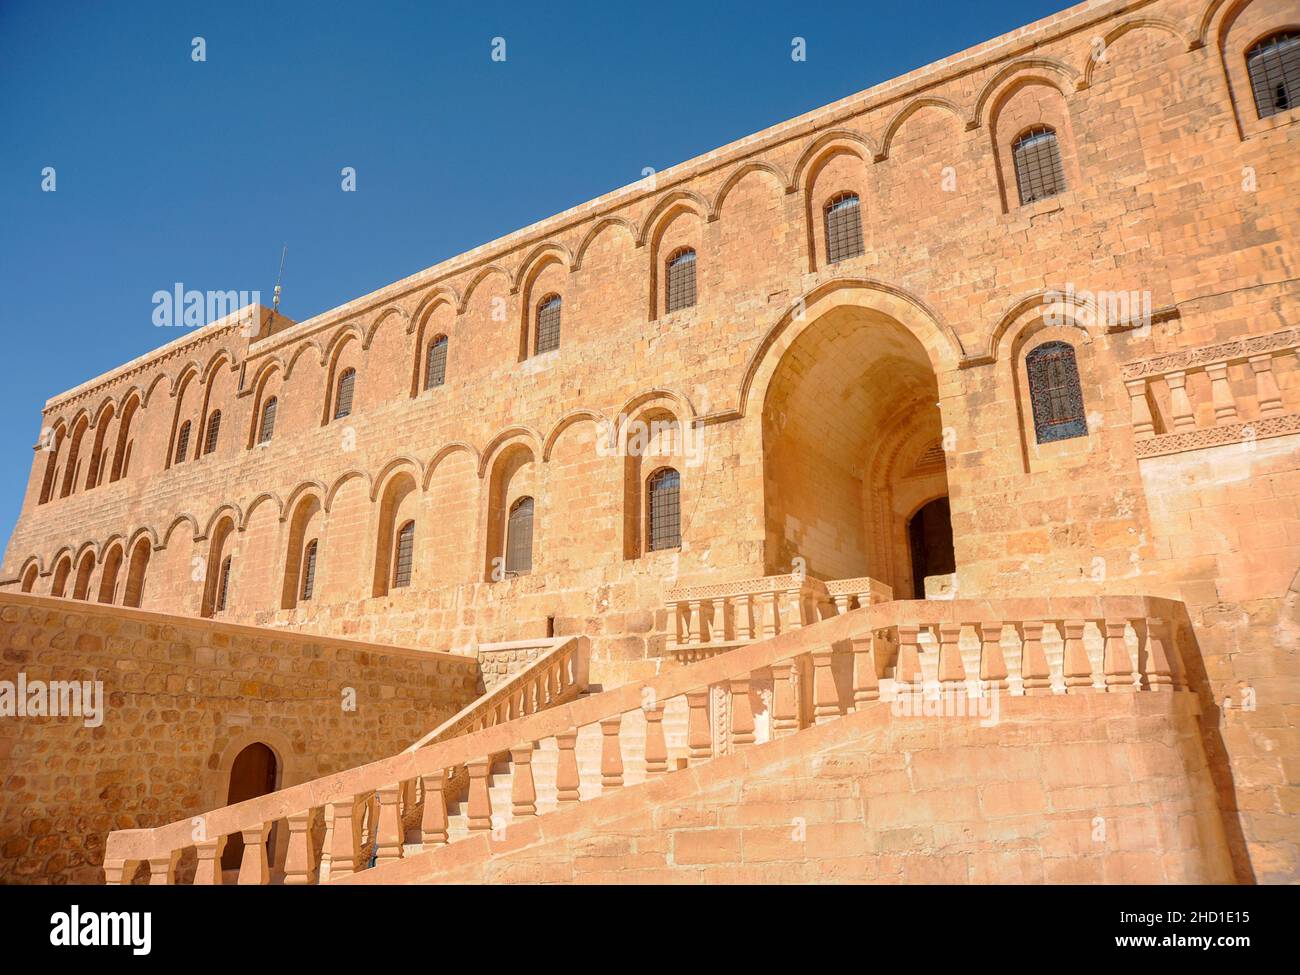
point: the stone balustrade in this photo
(902, 651)
(1200, 397)
(715, 617)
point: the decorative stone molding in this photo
(1237, 433)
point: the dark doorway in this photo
(253, 774)
(929, 534)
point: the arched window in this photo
(183, 442)
(843, 227)
(663, 510)
(29, 578)
(308, 571)
(59, 585)
(1055, 393)
(519, 537)
(680, 284)
(1274, 67)
(343, 396)
(403, 557)
(435, 363)
(223, 585)
(267, 429)
(214, 430)
(548, 325)
(1038, 164)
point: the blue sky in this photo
(174, 171)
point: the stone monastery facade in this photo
(1023, 323)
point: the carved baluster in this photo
(1117, 665)
(1034, 673)
(724, 625)
(742, 713)
(842, 602)
(1225, 406)
(1180, 406)
(162, 870)
(1077, 666)
(993, 666)
(1156, 669)
(951, 668)
(254, 869)
(433, 822)
(656, 751)
(1143, 422)
(796, 616)
(826, 700)
(769, 605)
(611, 752)
(1270, 397)
(907, 670)
(388, 830)
(699, 629)
(785, 709)
(566, 770)
(207, 871)
(744, 617)
(866, 685)
(343, 836)
(300, 861)
(480, 799)
(523, 793)
(699, 734)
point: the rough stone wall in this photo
(1175, 191)
(1115, 789)
(181, 699)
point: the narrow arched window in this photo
(548, 325)
(663, 510)
(1274, 67)
(519, 537)
(267, 430)
(843, 227)
(183, 442)
(435, 363)
(1055, 393)
(214, 431)
(680, 284)
(404, 555)
(1038, 164)
(343, 396)
(308, 571)
(223, 585)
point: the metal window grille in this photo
(405, 553)
(268, 421)
(1274, 67)
(223, 585)
(519, 537)
(343, 401)
(1038, 165)
(681, 280)
(548, 325)
(843, 228)
(1055, 393)
(663, 510)
(214, 430)
(183, 442)
(309, 570)
(435, 367)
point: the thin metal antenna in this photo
(275, 297)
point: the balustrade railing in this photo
(814, 674)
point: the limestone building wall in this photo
(809, 392)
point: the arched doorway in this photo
(852, 445)
(929, 538)
(255, 772)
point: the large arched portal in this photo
(852, 448)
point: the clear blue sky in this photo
(174, 171)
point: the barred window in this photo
(343, 398)
(843, 227)
(214, 430)
(223, 585)
(1038, 165)
(680, 292)
(1274, 67)
(663, 510)
(267, 429)
(435, 363)
(183, 442)
(1055, 393)
(309, 570)
(405, 553)
(519, 537)
(548, 325)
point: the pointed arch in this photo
(264, 498)
(382, 317)
(185, 519)
(599, 227)
(447, 450)
(310, 345)
(906, 112)
(401, 463)
(481, 275)
(566, 421)
(526, 436)
(743, 170)
(438, 295)
(144, 531)
(1039, 69)
(343, 479)
(214, 363)
(1025, 308)
(668, 206)
(151, 385)
(834, 140)
(341, 337)
(544, 253)
(313, 487)
(1090, 62)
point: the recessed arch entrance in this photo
(853, 446)
(255, 772)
